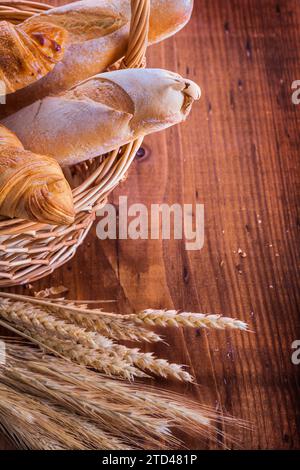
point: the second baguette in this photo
(104, 112)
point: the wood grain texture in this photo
(238, 154)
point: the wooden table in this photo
(238, 154)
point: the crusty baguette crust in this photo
(97, 37)
(103, 113)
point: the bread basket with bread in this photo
(79, 101)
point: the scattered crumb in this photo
(229, 355)
(271, 286)
(276, 254)
(221, 263)
(242, 253)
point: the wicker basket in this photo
(29, 251)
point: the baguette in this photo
(28, 52)
(32, 186)
(104, 112)
(97, 37)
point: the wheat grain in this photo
(48, 292)
(172, 318)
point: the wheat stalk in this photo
(34, 423)
(124, 426)
(130, 413)
(172, 318)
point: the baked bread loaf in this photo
(32, 186)
(97, 37)
(104, 112)
(28, 52)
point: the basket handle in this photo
(138, 35)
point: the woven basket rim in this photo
(134, 58)
(31, 250)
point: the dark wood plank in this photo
(238, 154)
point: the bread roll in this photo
(32, 186)
(97, 37)
(28, 52)
(104, 112)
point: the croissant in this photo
(28, 52)
(32, 186)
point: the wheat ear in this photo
(102, 354)
(117, 360)
(99, 360)
(36, 319)
(96, 359)
(109, 324)
(147, 361)
(112, 327)
(165, 318)
(149, 317)
(120, 361)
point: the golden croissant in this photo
(32, 186)
(28, 52)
